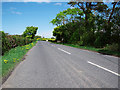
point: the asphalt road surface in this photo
(49, 65)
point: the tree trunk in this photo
(112, 12)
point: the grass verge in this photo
(13, 57)
(100, 50)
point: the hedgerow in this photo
(12, 41)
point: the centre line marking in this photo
(104, 68)
(64, 51)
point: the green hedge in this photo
(12, 41)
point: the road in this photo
(49, 65)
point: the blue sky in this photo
(16, 16)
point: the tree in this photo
(30, 32)
(66, 16)
(114, 4)
(87, 8)
(89, 23)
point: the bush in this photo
(12, 41)
(112, 47)
(87, 39)
(38, 39)
(100, 40)
(80, 43)
(75, 37)
(44, 39)
(51, 39)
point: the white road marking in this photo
(64, 51)
(103, 68)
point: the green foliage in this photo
(13, 57)
(112, 47)
(88, 38)
(100, 40)
(30, 32)
(48, 39)
(89, 23)
(75, 37)
(12, 41)
(38, 38)
(100, 50)
(44, 39)
(57, 33)
(51, 39)
(69, 15)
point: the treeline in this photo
(12, 41)
(89, 23)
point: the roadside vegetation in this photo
(107, 50)
(13, 57)
(90, 25)
(48, 39)
(14, 48)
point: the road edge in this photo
(4, 79)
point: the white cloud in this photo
(14, 12)
(59, 4)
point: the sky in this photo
(19, 14)
(16, 16)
